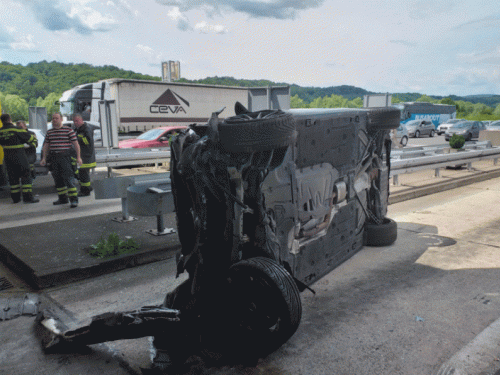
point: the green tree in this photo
(496, 111)
(296, 102)
(355, 103)
(427, 99)
(447, 100)
(15, 106)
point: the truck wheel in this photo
(381, 234)
(383, 118)
(265, 306)
(257, 131)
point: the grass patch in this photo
(113, 246)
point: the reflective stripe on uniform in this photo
(28, 188)
(72, 192)
(62, 190)
(15, 188)
(3, 130)
(85, 183)
(13, 147)
(89, 165)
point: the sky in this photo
(433, 47)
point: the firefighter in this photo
(85, 136)
(18, 168)
(29, 149)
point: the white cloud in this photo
(182, 21)
(279, 9)
(91, 18)
(144, 48)
(25, 43)
(210, 29)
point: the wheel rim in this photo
(255, 304)
(417, 134)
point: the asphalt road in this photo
(403, 309)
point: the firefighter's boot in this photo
(73, 202)
(29, 198)
(63, 199)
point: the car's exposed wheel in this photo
(264, 308)
(383, 234)
(383, 118)
(417, 134)
(257, 131)
(431, 134)
(404, 141)
(468, 137)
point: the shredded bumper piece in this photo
(147, 321)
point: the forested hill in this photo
(36, 81)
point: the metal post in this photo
(469, 167)
(437, 172)
(159, 223)
(395, 181)
(495, 161)
(126, 218)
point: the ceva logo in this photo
(168, 102)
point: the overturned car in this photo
(267, 203)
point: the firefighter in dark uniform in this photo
(85, 135)
(18, 168)
(30, 149)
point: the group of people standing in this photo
(63, 147)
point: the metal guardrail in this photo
(130, 156)
(436, 157)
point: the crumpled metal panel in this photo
(14, 306)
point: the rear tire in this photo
(257, 131)
(384, 234)
(417, 134)
(431, 134)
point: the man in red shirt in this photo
(58, 144)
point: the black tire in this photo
(383, 118)
(431, 134)
(469, 137)
(257, 131)
(265, 304)
(417, 134)
(404, 141)
(381, 234)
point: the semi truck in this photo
(142, 105)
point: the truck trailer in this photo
(142, 105)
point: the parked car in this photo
(469, 130)
(157, 137)
(417, 128)
(402, 135)
(442, 128)
(493, 125)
